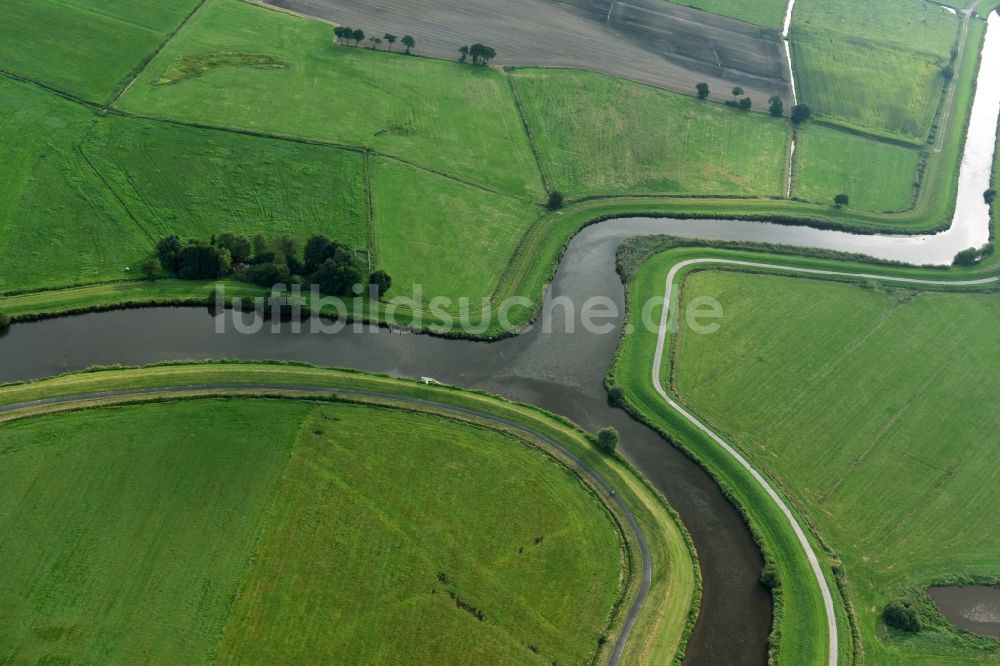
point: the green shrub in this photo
(607, 440)
(616, 394)
(4, 321)
(902, 615)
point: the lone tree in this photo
(703, 90)
(555, 201)
(390, 39)
(151, 268)
(841, 200)
(737, 91)
(990, 195)
(382, 282)
(342, 33)
(902, 615)
(801, 113)
(409, 43)
(358, 35)
(465, 54)
(746, 104)
(607, 440)
(776, 106)
(375, 41)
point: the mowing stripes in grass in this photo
(600, 135)
(882, 89)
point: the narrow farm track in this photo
(810, 553)
(306, 391)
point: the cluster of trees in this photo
(776, 107)
(480, 54)
(330, 264)
(973, 256)
(744, 104)
(345, 35)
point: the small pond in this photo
(975, 608)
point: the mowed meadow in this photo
(227, 530)
(833, 389)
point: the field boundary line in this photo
(810, 553)
(137, 71)
(546, 181)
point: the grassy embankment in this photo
(304, 455)
(801, 623)
(834, 388)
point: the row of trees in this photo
(330, 264)
(776, 106)
(346, 36)
(480, 54)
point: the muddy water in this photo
(975, 608)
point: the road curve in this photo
(831, 618)
(647, 573)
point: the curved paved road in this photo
(640, 538)
(831, 618)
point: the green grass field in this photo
(833, 389)
(461, 120)
(197, 183)
(235, 521)
(911, 24)
(58, 223)
(428, 227)
(600, 135)
(768, 13)
(877, 176)
(134, 527)
(860, 83)
(85, 48)
(662, 625)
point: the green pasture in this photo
(911, 24)
(449, 117)
(367, 520)
(876, 175)
(85, 48)
(453, 239)
(387, 519)
(864, 84)
(599, 135)
(59, 224)
(832, 389)
(134, 526)
(197, 183)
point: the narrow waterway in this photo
(558, 371)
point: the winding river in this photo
(557, 371)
